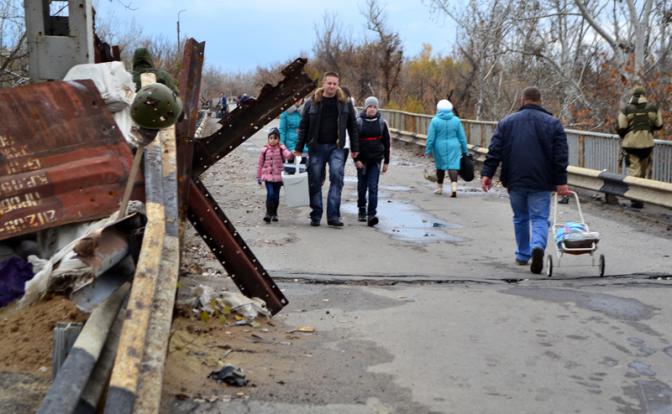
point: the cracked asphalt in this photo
(428, 313)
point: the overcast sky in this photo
(243, 34)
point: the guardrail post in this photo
(582, 151)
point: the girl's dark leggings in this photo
(441, 174)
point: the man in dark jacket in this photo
(532, 146)
(325, 119)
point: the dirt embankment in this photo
(26, 335)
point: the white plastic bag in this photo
(296, 187)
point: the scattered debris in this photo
(83, 253)
(304, 329)
(14, 273)
(207, 303)
(230, 375)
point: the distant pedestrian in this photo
(325, 119)
(531, 145)
(223, 105)
(269, 171)
(446, 142)
(637, 122)
(374, 150)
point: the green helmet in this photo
(638, 91)
(155, 106)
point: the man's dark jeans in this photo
(319, 157)
(367, 179)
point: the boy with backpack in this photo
(374, 150)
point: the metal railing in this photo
(593, 150)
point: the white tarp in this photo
(116, 87)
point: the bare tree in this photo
(13, 53)
(331, 44)
(389, 48)
(630, 33)
(483, 27)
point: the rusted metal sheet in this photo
(242, 123)
(62, 157)
(230, 249)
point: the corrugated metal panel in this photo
(62, 157)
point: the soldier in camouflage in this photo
(636, 124)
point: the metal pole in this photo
(178, 30)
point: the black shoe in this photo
(373, 220)
(269, 211)
(314, 222)
(537, 260)
(522, 262)
(636, 204)
(335, 223)
(361, 216)
(453, 195)
(274, 211)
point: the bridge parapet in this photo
(587, 149)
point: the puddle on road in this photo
(408, 223)
(642, 369)
(616, 307)
(400, 188)
(350, 179)
(668, 351)
(654, 395)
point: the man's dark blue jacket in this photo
(532, 146)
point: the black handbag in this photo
(467, 167)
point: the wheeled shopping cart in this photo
(573, 238)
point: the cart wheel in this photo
(602, 265)
(549, 265)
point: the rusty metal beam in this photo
(242, 123)
(190, 89)
(62, 157)
(230, 249)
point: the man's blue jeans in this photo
(530, 212)
(367, 179)
(319, 157)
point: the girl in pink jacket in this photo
(269, 170)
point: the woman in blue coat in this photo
(446, 142)
(289, 127)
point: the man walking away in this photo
(532, 147)
(325, 119)
(636, 124)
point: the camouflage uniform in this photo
(143, 63)
(636, 124)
